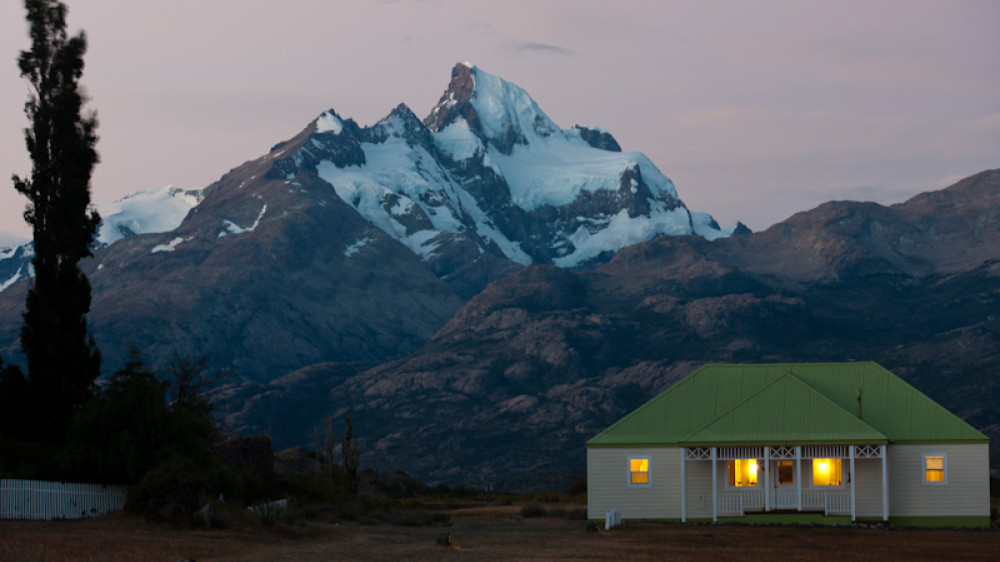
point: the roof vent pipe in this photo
(859, 405)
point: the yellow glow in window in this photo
(639, 471)
(743, 472)
(826, 472)
(934, 468)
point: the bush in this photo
(533, 510)
(310, 487)
(173, 490)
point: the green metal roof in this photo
(788, 404)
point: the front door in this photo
(784, 485)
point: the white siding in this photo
(867, 488)
(607, 483)
(699, 487)
(965, 494)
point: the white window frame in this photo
(923, 468)
(649, 472)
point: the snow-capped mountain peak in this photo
(501, 113)
(489, 168)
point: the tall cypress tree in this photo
(62, 362)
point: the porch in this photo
(742, 502)
(771, 479)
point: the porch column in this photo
(852, 483)
(683, 486)
(767, 478)
(715, 485)
(885, 484)
(798, 476)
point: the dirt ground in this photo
(489, 533)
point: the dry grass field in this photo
(486, 533)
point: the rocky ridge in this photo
(507, 392)
(356, 244)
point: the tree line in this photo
(151, 430)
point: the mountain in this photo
(356, 244)
(510, 388)
(488, 173)
(150, 211)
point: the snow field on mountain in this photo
(556, 170)
(702, 223)
(329, 123)
(14, 279)
(623, 231)
(160, 209)
(393, 168)
(167, 247)
(457, 140)
(502, 105)
(233, 228)
(356, 246)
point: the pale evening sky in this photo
(755, 109)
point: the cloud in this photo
(529, 48)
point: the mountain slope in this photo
(356, 244)
(508, 391)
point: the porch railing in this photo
(738, 503)
(784, 498)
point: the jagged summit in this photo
(500, 113)
(486, 173)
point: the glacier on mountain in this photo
(160, 209)
(150, 211)
(488, 165)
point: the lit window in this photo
(638, 472)
(826, 472)
(786, 473)
(742, 473)
(936, 469)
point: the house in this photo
(824, 443)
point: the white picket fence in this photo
(35, 499)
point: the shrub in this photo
(306, 488)
(175, 489)
(533, 510)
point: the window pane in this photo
(934, 463)
(826, 472)
(786, 472)
(638, 471)
(744, 472)
(935, 476)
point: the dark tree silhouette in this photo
(62, 361)
(350, 450)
